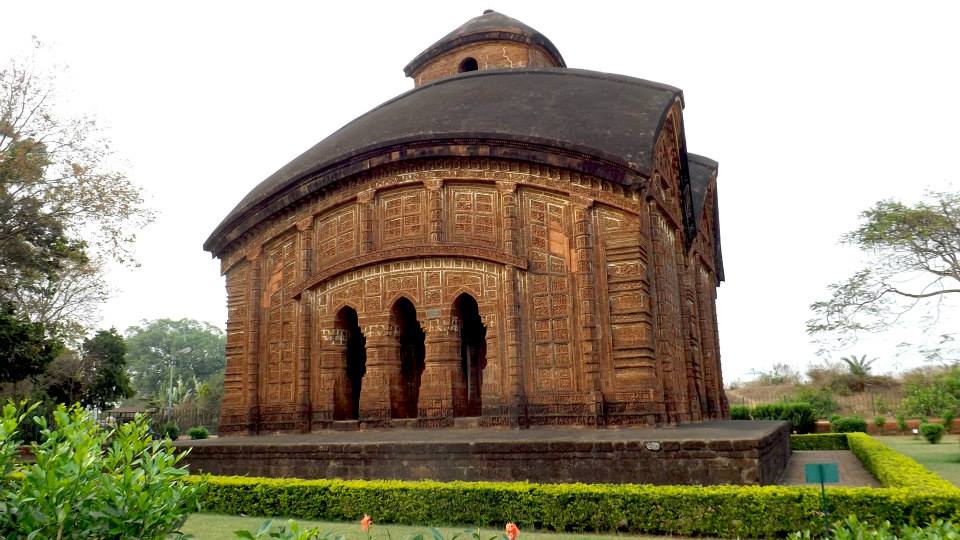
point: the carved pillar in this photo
(367, 215)
(707, 344)
(583, 270)
(491, 391)
(655, 274)
(696, 397)
(516, 401)
(305, 308)
(441, 366)
(381, 384)
(511, 217)
(252, 383)
(435, 209)
(332, 346)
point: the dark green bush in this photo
(901, 423)
(800, 415)
(821, 400)
(946, 418)
(850, 424)
(932, 432)
(198, 432)
(171, 431)
(739, 412)
(819, 441)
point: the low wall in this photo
(684, 455)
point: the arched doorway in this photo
(412, 353)
(473, 355)
(348, 408)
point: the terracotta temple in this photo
(511, 243)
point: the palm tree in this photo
(859, 370)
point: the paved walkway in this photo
(714, 430)
(852, 472)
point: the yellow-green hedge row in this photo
(912, 495)
(891, 468)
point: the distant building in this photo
(512, 241)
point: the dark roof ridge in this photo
(585, 73)
(702, 160)
(608, 121)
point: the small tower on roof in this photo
(490, 41)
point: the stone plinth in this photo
(720, 452)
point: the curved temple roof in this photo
(702, 172)
(489, 26)
(610, 122)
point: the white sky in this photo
(813, 109)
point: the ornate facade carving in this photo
(590, 310)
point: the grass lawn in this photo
(217, 527)
(942, 458)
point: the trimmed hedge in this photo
(893, 469)
(850, 424)
(819, 441)
(913, 495)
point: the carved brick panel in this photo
(403, 216)
(337, 236)
(473, 215)
(279, 367)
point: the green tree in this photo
(915, 258)
(858, 369)
(94, 377)
(25, 348)
(195, 349)
(62, 208)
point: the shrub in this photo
(198, 432)
(171, 431)
(800, 415)
(929, 399)
(932, 432)
(850, 424)
(739, 412)
(819, 441)
(901, 422)
(946, 418)
(851, 528)
(821, 400)
(879, 422)
(87, 482)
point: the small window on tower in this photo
(468, 64)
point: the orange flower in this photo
(365, 523)
(512, 531)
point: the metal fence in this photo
(188, 418)
(868, 404)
